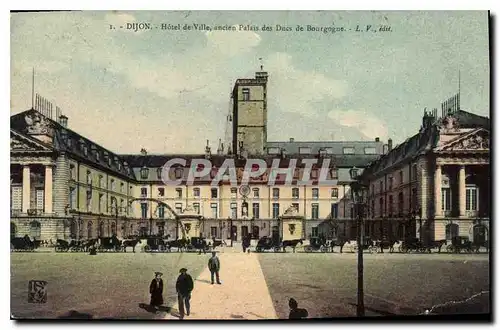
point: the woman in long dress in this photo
(156, 291)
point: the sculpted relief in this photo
(480, 141)
(37, 124)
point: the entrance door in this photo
(255, 232)
(244, 231)
(479, 234)
(234, 232)
(275, 233)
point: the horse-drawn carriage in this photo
(316, 244)
(24, 244)
(197, 244)
(109, 244)
(156, 244)
(268, 243)
(459, 244)
(72, 246)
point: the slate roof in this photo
(73, 145)
(337, 147)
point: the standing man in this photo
(214, 267)
(184, 286)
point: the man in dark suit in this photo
(214, 267)
(184, 286)
(295, 312)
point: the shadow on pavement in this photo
(74, 315)
(151, 309)
(204, 281)
(374, 310)
(234, 316)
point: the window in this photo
(276, 210)
(196, 207)
(295, 193)
(276, 192)
(196, 192)
(381, 206)
(273, 151)
(89, 201)
(348, 150)
(372, 211)
(414, 172)
(85, 150)
(100, 206)
(234, 210)
(370, 150)
(121, 205)
(234, 193)
(305, 151)
(89, 178)
(400, 203)
(178, 173)
(296, 206)
(161, 192)
(414, 198)
(178, 208)
(315, 193)
(314, 173)
(144, 210)
(122, 188)
(158, 173)
(401, 177)
(446, 199)
(255, 209)
(255, 192)
(381, 186)
(178, 191)
(334, 173)
(334, 211)
(144, 171)
(471, 198)
(335, 192)
(246, 94)
(213, 192)
(213, 232)
(315, 211)
(391, 179)
(72, 172)
(213, 207)
(72, 198)
(112, 185)
(144, 192)
(161, 212)
(314, 231)
(391, 201)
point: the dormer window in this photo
(304, 150)
(273, 151)
(348, 150)
(144, 172)
(119, 166)
(159, 172)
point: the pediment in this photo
(22, 143)
(477, 140)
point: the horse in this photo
(130, 243)
(292, 243)
(386, 244)
(338, 242)
(89, 243)
(179, 244)
(216, 243)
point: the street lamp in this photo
(358, 196)
(230, 221)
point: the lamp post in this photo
(230, 223)
(358, 195)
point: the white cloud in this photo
(231, 43)
(368, 124)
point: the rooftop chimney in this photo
(377, 139)
(292, 139)
(207, 151)
(389, 145)
(63, 120)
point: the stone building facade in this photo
(436, 185)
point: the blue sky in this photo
(168, 91)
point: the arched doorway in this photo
(13, 230)
(479, 234)
(234, 233)
(73, 229)
(100, 230)
(244, 231)
(451, 230)
(35, 230)
(113, 228)
(89, 230)
(255, 232)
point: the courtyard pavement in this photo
(243, 293)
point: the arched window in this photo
(100, 232)
(113, 228)
(73, 229)
(35, 230)
(451, 230)
(89, 230)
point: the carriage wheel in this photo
(403, 249)
(147, 248)
(308, 249)
(277, 249)
(324, 249)
(449, 248)
(258, 249)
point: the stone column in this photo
(437, 193)
(48, 189)
(26, 188)
(461, 191)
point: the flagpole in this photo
(33, 89)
